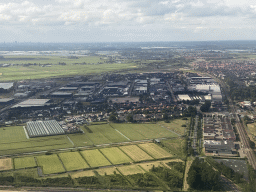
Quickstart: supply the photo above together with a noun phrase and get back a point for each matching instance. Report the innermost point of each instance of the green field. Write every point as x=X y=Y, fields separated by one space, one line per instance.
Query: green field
x=175 y=146
x=134 y=152
x=175 y=125
x=13 y=140
x=80 y=66
x=95 y=158
x=115 y=155
x=130 y=169
x=24 y=162
x=73 y=161
x=154 y=150
x=143 y=131
x=252 y=128
x=50 y=164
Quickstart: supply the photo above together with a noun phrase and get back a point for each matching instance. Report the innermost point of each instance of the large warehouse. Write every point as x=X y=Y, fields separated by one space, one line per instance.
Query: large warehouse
x=43 y=128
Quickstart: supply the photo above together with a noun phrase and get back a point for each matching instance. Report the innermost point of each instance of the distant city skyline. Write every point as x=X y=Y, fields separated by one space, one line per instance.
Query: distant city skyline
x=126 y=20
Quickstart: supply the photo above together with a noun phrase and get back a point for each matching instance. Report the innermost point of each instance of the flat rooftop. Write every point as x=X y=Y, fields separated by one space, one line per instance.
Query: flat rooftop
x=6 y=85
x=32 y=103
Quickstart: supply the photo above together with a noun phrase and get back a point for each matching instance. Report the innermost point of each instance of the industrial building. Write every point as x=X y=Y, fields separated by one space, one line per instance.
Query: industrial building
x=30 y=103
x=220 y=147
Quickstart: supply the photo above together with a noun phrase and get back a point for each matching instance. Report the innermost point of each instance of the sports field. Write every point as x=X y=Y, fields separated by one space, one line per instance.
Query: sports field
x=135 y=153
x=95 y=158
x=24 y=162
x=154 y=150
x=73 y=161
x=143 y=131
x=80 y=66
x=50 y=164
x=115 y=155
x=13 y=140
x=175 y=125
x=6 y=164
x=130 y=169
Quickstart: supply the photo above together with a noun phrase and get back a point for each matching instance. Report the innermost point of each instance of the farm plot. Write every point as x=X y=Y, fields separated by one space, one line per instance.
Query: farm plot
x=135 y=153
x=95 y=158
x=107 y=171
x=24 y=162
x=155 y=151
x=88 y=173
x=148 y=166
x=130 y=169
x=5 y=164
x=115 y=155
x=50 y=164
x=73 y=161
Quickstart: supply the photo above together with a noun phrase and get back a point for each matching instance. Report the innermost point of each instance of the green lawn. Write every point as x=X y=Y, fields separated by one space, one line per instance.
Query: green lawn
x=143 y=131
x=134 y=152
x=13 y=140
x=154 y=150
x=24 y=162
x=50 y=164
x=115 y=155
x=73 y=161
x=175 y=146
x=95 y=158
x=175 y=125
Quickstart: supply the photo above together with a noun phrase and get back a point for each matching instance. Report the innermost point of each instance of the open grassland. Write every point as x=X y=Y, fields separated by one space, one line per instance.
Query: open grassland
x=130 y=169
x=155 y=151
x=148 y=166
x=24 y=162
x=107 y=171
x=80 y=139
x=134 y=152
x=13 y=141
x=73 y=161
x=6 y=164
x=80 y=66
x=95 y=158
x=50 y=164
x=115 y=155
x=175 y=125
x=88 y=173
x=252 y=128
x=143 y=131
x=175 y=146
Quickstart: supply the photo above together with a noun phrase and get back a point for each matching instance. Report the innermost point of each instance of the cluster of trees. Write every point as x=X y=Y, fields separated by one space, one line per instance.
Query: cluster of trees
x=190 y=112
x=201 y=176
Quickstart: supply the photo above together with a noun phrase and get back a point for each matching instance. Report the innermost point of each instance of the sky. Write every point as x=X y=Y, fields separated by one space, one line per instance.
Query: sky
x=126 y=20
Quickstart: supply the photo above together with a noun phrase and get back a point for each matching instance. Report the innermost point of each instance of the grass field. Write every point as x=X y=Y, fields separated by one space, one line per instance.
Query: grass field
x=24 y=162
x=175 y=125
x=108 y=171
x=88 y=173
x=6 y=164
x=50 y=163
x=13 y=140
x=134 y=152
x=252 y=128
x=73 y=161
x=155 y=151
x=93 y=65
x=175 y=146
x=115 y=155
x=95 y=158
x=143 y=131
x=148 y=166
x=130 y=169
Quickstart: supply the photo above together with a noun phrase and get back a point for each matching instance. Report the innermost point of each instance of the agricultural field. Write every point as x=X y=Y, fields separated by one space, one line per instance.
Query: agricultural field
x=6 y=164
x=130 y=169
x=148 y=166
x=50 y=164
x=13 y=140
x=143 y=131
x=95 y=158
x=78 y=174
x=107 y=171
x=73 y=161
x=24 y=162
x=115 y=155
x=135 y=153
x=80 y=139
x=154 y=150
x=80 y=66
x=175 y=125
